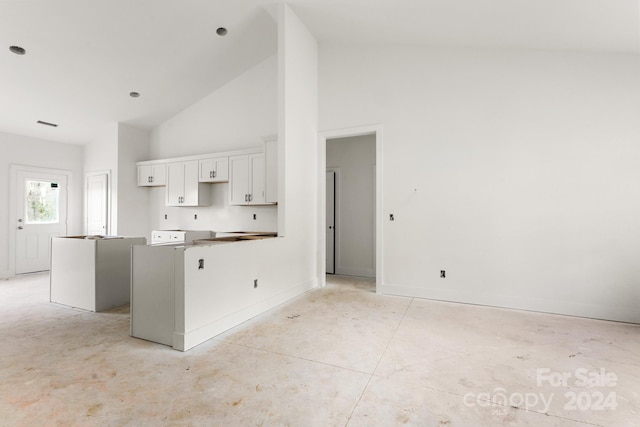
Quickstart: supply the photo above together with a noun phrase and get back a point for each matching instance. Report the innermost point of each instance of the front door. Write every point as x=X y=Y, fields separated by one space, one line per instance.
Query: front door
x=41 y=212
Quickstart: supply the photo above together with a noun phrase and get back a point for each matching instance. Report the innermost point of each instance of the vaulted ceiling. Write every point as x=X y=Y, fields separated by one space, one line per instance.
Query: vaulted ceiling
x=84 y=57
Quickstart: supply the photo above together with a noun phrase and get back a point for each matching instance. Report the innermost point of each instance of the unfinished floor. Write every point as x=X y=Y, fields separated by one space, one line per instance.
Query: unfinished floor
x=337 y=356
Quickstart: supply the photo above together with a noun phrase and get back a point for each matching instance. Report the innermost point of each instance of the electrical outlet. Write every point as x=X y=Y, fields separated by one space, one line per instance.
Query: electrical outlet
x=165 y=216
x=255 y=216
x=391 y=218
x=195 y=216
x=255 y=283
x=443 y=274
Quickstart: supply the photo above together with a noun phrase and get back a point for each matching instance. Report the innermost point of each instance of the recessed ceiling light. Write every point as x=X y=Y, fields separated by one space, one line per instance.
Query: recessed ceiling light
x=17 y=50
x=222 y=31
x=134 y=94
x=47 y=124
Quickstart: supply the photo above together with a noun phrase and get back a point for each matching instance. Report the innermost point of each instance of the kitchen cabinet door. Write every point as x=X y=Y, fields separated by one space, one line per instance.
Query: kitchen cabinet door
x=256 y=179
x=191 y=187
x=183 y=188
x=271 y=171
x=238 y=180
x=247 y=180
x=214 y=170
x=175 y=184
x=151 y=175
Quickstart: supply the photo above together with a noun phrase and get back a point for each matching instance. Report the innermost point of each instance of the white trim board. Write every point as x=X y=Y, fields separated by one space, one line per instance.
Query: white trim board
x=512 y=302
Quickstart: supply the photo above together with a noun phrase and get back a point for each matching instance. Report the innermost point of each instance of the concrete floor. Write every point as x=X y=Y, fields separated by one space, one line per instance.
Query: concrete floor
x=338 y=356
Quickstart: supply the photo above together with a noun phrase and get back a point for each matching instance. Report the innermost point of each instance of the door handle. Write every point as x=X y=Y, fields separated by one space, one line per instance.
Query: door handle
x=20 y=227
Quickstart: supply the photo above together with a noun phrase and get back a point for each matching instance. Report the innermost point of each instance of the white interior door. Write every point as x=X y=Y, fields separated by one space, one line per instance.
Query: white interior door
x=331 y=219
x=41 y=212
x=98 y=204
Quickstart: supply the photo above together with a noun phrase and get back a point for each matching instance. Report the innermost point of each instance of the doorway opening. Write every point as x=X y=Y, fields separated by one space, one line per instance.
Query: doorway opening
x=350 y=240
x=38 y=211
x=350 y=209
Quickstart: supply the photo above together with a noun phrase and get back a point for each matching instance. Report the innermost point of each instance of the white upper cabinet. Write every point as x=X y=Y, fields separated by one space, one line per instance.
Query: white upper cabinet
x=183 y=188
x=271 y=171
x=214 y=170
x=246 y=179
x=152 y=175
x=252 y=175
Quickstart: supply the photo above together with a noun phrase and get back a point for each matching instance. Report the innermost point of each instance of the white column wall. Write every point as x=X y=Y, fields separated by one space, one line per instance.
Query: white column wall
x=297 y=144
x=514 y=171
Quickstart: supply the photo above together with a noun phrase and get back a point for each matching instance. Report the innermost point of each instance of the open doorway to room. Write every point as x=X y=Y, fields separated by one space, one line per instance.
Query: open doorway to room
x=350 y=203
x=351 y=190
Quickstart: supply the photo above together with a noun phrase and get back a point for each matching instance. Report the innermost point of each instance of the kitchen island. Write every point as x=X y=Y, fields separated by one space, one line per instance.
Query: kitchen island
x=183 y=295
x=91 y=272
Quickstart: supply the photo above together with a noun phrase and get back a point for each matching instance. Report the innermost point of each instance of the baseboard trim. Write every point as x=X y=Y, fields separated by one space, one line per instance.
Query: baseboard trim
x=591 y=311
x=361 y=272
x=188 y=340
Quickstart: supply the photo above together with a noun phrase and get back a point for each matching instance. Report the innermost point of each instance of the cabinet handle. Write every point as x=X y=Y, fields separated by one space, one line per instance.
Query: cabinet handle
x=214 y=174
x=148 y=179
x=210 y=174
x=250 y=197
x=151 y=177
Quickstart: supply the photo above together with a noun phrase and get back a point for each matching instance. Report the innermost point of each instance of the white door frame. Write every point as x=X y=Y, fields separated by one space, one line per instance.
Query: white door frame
x=322 y=196
x=106 y=172
x=13 y=200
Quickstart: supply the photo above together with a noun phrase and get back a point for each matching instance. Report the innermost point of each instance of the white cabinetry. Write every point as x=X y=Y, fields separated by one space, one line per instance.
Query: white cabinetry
x=271 y=171
x=183 y=188
x=214 y=169
x=152 y=175
x=246 y=180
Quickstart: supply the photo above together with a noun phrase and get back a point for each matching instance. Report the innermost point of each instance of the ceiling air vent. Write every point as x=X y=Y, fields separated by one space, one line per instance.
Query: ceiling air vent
x=17 y=50
x=47 y=124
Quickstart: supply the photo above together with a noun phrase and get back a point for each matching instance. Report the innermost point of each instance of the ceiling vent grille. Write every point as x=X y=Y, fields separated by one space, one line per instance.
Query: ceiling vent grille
x=47 y=124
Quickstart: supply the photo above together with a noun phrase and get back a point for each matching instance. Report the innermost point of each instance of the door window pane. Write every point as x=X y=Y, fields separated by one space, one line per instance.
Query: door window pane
x=41 y=199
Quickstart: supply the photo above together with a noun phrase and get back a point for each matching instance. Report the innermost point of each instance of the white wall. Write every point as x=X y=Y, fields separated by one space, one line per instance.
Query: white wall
x=101 y=155
x=133 y=201
x=233 y=117
x=238 y=115
x=117 y=150
x=297 y=148
x=29 y=151
x=514 y=171
x=355 y=158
